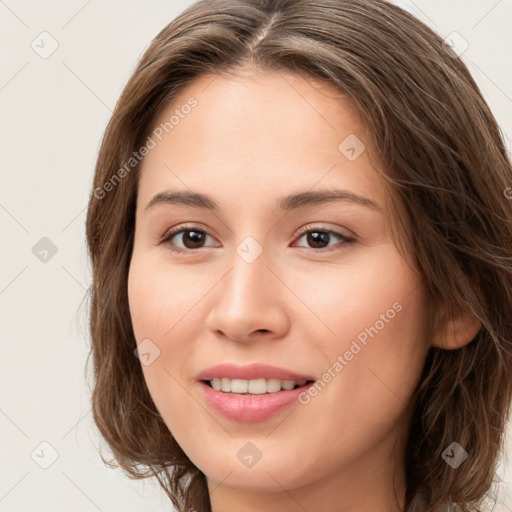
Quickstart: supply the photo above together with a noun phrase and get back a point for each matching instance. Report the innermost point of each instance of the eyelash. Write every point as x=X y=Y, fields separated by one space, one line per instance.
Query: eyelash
x=304 y=230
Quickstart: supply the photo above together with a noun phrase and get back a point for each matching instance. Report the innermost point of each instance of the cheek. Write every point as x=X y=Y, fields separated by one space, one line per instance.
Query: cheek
x=166 y=307
x=161 y=297
x=373 y=342
x=375 y=295
x=161 y=301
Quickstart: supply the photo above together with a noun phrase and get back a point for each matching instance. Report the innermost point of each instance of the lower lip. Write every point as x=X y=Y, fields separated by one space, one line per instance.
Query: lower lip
x=251 y=408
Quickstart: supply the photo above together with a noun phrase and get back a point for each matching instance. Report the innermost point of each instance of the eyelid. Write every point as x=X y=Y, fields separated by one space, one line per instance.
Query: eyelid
x=312 y=227
x=181 y=228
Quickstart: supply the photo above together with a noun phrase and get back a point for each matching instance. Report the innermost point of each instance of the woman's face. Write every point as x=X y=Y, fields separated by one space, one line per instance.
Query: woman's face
x=312 y=285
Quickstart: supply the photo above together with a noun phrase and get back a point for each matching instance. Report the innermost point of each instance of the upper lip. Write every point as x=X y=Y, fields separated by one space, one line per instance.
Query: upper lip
x=250 y=372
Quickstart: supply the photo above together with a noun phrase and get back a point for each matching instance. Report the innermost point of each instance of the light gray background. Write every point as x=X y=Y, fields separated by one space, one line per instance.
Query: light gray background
x=53 y=112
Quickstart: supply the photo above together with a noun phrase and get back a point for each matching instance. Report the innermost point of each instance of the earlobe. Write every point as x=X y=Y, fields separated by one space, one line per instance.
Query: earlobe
x=457 y=331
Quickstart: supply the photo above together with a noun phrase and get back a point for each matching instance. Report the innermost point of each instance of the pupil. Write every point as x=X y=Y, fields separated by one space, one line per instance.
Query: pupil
x=315 y=236
x=196 y=238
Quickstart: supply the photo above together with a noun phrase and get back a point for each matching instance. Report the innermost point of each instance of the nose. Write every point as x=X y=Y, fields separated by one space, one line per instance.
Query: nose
x=249 y=302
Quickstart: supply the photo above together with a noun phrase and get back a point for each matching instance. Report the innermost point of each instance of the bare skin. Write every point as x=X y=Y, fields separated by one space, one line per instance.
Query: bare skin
x=249 y=141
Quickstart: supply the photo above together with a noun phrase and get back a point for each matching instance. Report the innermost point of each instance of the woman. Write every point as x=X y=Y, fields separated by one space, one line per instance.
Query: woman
x=300 y=230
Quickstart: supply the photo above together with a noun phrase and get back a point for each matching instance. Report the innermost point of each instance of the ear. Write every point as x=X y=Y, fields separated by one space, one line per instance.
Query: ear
x=457 y=330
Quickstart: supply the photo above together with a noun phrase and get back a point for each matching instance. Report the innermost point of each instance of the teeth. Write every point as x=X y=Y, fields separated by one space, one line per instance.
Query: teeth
x=238 y=386
x=253 y=387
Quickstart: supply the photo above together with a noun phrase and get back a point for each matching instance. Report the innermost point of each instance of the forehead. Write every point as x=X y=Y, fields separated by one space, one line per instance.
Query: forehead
x=281 y=96
x=259 y=131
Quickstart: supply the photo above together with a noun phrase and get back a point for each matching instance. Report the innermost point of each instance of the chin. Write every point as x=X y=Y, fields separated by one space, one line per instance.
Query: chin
x=252 y=480
x=269 y=475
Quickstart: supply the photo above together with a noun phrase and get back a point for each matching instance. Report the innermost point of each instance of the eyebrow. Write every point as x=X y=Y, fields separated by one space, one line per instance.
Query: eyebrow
x=287 y=203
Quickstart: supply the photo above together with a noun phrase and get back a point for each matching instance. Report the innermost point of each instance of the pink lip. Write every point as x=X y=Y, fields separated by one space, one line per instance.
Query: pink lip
x=250 y=408
x=250 y=372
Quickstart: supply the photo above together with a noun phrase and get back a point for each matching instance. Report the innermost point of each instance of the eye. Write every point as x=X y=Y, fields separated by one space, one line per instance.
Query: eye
x=194 y=238
x=191 y=237
x=319 y=236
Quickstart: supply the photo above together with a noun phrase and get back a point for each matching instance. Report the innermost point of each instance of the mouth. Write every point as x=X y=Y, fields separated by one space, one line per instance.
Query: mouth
x=255 y=400
x=255 y=386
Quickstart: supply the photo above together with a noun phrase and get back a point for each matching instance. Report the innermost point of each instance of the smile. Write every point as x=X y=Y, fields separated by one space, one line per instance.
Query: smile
x=248 y=406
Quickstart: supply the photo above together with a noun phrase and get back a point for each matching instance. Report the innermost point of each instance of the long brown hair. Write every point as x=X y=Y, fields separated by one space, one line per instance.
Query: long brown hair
x=443 y=157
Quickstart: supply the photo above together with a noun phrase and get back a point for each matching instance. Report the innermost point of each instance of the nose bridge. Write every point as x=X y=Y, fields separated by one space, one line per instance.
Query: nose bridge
x=247 y=284
x=247 y=297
